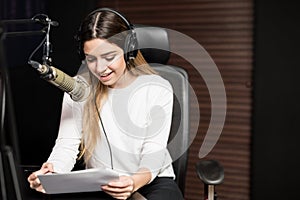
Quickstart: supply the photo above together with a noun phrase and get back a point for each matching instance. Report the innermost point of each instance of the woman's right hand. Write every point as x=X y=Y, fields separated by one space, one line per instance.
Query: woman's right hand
x=34 y=180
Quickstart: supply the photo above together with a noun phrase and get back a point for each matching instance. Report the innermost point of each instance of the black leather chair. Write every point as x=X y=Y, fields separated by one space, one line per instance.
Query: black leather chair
x=154 y=45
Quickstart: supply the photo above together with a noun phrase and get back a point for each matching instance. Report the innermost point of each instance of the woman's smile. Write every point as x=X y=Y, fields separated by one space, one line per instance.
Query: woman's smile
x=106 y=76
x=106 y=61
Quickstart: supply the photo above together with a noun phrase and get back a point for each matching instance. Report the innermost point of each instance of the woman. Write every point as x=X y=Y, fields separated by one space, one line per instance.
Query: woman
x=126 y=119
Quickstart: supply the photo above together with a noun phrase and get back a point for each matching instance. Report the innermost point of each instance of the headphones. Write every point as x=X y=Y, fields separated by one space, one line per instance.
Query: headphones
x=130 y=43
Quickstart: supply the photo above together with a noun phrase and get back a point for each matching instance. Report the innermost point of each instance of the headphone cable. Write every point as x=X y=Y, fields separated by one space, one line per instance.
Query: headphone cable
x=108 y=143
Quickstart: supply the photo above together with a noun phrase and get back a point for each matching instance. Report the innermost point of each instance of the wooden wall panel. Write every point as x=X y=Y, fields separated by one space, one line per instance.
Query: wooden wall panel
x=225 y=29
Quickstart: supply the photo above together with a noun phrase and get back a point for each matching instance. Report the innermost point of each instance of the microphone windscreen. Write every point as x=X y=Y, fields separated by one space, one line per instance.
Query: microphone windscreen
x=63 y=81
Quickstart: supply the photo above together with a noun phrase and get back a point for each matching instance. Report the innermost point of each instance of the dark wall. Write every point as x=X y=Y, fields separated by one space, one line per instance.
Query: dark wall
x=36 y=103
x=275 y=152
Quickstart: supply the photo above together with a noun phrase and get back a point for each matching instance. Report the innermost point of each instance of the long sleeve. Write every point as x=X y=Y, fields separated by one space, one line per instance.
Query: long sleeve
x=65 y=151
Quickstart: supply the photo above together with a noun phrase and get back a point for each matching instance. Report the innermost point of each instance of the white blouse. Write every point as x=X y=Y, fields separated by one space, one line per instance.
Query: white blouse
x=136 y=125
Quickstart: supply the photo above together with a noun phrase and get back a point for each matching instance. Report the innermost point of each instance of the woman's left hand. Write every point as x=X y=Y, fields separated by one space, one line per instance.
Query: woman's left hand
x=120 y=189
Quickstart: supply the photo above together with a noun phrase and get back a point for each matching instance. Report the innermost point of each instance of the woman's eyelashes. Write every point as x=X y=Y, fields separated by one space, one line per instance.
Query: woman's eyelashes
x=107 y=58
x=110 y=57
x=90 y=59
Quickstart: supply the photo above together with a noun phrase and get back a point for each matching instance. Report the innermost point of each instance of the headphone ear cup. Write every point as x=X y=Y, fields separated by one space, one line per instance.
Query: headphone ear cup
x=130 y=46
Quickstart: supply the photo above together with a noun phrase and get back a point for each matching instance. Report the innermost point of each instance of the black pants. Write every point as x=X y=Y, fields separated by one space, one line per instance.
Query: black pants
x=161 y=188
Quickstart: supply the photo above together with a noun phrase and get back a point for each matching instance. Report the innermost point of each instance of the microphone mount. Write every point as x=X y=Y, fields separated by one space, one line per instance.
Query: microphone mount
x=47 y=47
x=39 y=18
x=44 y=19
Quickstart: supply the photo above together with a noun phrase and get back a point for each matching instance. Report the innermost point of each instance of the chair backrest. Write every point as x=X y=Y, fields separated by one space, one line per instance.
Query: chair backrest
x=156 y=41
x=179 y=135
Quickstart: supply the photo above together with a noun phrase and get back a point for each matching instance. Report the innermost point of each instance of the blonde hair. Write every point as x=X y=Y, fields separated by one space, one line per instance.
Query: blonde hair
x=93 y=106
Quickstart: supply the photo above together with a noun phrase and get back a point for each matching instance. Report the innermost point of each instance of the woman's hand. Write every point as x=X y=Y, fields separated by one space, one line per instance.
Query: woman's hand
x=120 y=189
x=33 y=179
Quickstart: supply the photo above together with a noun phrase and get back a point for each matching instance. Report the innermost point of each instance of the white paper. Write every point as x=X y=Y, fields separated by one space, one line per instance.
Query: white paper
x=77 y=181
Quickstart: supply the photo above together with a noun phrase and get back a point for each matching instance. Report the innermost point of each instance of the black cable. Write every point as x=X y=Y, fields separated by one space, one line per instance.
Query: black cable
x=37 y=48
x=108 y=143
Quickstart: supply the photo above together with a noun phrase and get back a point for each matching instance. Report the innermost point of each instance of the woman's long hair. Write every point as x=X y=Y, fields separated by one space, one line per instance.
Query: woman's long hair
x=103 y=25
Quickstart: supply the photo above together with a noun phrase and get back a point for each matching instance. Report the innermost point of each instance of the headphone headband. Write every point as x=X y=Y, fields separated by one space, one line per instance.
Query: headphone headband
x=124 y=19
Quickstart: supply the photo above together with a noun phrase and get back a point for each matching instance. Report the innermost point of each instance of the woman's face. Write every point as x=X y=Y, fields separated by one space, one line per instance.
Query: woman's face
x=106 y=61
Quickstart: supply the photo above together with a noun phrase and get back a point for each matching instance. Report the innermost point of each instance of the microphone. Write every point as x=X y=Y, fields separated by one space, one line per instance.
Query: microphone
x=76 y=87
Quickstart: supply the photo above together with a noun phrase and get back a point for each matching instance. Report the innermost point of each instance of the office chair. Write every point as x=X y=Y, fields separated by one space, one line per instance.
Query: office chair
x=154 y=45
